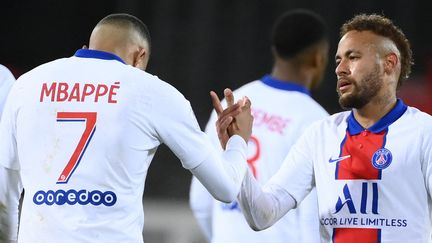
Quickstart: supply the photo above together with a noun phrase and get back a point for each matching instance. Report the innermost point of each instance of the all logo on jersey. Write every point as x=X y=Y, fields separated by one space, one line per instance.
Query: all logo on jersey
x=382 y=158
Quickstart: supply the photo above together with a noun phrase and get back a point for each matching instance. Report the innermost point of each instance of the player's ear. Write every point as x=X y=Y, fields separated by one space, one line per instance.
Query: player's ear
x=390 y=62
x=141 y=57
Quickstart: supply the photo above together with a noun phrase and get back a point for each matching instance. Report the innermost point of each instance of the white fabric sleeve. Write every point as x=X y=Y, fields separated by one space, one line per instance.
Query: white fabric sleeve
x=201 y=203
x=10 y=182
x=10 y=192
x=296 y=174
x=6 y=82
x=263 y=206
x=222 y=175
x=175 y=125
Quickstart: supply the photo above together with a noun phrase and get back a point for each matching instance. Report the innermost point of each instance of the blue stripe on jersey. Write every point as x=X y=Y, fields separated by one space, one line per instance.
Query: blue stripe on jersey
x=86 y=53
x=375 y=199
x=363 y=203
x=284 y=85
x=355 y=128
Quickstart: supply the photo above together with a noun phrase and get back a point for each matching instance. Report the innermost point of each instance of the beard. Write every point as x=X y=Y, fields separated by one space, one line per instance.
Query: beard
x=362 y=91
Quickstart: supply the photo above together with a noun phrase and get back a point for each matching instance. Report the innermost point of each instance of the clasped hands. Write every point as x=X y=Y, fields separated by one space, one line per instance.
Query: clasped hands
x=236 y=119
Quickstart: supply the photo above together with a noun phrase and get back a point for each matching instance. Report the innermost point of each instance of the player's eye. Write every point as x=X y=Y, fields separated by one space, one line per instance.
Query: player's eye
x=353 y=57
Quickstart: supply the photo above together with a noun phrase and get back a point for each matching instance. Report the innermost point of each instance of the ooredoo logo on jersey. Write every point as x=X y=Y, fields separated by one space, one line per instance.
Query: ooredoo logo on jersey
x=72 y=197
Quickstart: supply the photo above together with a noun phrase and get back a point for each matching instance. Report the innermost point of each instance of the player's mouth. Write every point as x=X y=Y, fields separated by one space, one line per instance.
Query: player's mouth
x=343 y=85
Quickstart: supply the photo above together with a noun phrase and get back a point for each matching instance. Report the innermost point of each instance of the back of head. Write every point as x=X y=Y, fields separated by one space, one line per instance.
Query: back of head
x=124 y=35
x=127 y=21
x=297 y=30
x=383 y=26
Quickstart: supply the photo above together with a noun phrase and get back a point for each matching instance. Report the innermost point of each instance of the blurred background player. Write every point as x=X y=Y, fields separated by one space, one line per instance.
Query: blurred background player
x=282 y=109
x=79 y=133
x=371 y=166
x=6 y=81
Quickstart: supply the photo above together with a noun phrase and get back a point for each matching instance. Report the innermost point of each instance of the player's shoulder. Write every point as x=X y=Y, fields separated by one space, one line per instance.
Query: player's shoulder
x=419 y=118
x=41 y=69
x=5 y=73
x=332 y=122
x=152 y=83
x=6 y=77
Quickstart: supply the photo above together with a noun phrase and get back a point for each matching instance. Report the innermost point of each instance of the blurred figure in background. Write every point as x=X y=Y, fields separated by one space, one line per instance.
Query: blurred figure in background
x=282 y=109
x=6 y=81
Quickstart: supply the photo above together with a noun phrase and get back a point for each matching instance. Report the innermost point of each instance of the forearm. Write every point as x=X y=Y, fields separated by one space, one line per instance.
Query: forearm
x=10 y=192
x=222 y=175
x=263 y=206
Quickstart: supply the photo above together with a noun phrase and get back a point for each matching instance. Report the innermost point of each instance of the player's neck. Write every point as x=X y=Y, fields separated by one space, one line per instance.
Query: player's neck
x=289 y=73
x=373 y=111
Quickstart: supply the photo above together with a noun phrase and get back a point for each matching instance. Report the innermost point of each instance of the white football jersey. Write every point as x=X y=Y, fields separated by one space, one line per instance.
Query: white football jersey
x=6 y=81
x=82 y=131
x=373 y=185
x=281 y=113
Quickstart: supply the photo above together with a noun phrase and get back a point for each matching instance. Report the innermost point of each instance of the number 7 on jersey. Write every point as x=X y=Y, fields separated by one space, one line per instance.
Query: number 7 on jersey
x=90 y=121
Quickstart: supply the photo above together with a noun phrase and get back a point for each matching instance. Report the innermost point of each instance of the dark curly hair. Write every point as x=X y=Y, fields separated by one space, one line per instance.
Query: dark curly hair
x=383 y=26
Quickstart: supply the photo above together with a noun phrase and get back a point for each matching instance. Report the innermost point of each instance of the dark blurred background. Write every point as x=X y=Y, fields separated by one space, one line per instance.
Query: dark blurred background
x=203 y=45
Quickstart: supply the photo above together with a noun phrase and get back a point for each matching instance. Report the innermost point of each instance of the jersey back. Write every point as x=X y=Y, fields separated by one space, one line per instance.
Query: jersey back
x=83 y=133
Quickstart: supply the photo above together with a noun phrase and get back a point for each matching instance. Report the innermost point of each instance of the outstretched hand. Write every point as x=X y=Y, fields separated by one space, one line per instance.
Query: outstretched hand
x=235 y=119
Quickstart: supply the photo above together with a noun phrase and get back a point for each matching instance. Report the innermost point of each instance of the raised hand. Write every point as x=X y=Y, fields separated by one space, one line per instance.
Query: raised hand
x=235 y=119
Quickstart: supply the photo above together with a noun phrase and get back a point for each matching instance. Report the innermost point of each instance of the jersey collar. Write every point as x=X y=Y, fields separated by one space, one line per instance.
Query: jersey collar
x=86 y=53
x=355 y=128
x=289 y=86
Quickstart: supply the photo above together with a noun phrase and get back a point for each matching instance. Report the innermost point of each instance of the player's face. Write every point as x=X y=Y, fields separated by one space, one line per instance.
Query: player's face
x=359 y=70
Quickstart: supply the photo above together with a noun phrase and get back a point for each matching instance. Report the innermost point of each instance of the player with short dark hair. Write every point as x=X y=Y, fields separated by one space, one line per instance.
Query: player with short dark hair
x=282 y=109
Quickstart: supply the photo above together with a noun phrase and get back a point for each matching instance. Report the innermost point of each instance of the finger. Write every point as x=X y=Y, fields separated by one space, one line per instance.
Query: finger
x=229 y=97
x=233 y=110
x=216 y=103
x=223 y=124
x=246 y=103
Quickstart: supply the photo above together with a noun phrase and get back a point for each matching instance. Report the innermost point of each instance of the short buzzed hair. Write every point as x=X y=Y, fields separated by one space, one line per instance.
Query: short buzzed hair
x=383 y=26
x=296 y=30
x=127 y=20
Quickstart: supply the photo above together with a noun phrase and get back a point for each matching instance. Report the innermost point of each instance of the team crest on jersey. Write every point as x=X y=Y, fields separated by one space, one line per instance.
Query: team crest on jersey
x=382 y=158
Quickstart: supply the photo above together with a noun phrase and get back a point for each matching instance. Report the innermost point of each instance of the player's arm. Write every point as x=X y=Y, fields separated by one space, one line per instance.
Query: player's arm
x=10 y=192
x=211 y=173
x=10 y=183
x=175 y=125
x=263 y=206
